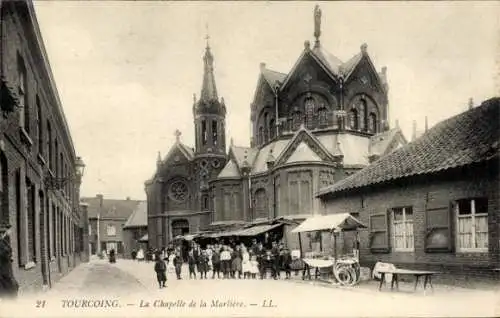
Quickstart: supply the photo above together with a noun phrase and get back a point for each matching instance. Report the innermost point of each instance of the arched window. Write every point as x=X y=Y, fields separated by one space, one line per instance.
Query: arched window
x=296 y=119
x=261 y=135
x=266 y=129
x=272 y=128
x=310 y=107
x=261 y=210
x=353 y=119
x=372 y=123
x=363 y=116
x=323 y=116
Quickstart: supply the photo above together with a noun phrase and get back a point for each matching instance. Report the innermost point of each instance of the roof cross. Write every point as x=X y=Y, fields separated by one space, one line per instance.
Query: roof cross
x=177 y=134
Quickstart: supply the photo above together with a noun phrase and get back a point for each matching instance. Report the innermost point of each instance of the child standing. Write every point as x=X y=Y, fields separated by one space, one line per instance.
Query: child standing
x=178 y=264
x=203 y=264
x=254 y=266
x=245 y=262
x=160 y=269
x=216 y=262
x=225 y=259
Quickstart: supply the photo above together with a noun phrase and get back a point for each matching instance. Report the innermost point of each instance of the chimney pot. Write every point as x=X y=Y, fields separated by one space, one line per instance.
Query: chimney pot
x=471 y=103
x=262 y=66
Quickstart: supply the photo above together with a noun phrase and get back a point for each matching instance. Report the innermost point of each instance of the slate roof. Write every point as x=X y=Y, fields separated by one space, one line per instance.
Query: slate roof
x=380 y=142
x=139 y=217
x=119 y=209
x=240 y=153
x=230 y=170
x=464 y=139
x=272 y=77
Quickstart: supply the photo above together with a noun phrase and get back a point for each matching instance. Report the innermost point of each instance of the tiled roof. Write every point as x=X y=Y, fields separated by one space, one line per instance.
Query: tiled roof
x=120 y=209
x=139 y=217
x=230 y=170
x=467 y=138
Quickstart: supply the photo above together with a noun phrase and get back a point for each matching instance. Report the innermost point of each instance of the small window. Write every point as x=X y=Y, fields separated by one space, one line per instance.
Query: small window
x=472 y=225
x=111 y=230
x=204 y=133
x=215 y=136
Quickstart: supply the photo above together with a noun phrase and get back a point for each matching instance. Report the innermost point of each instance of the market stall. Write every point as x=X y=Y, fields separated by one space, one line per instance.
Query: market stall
x=345 y=269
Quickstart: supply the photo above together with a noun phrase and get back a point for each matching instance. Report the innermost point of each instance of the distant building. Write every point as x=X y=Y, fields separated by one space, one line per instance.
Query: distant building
x=135 y=228
x=107 y=217
x=40 y=173
x=323 y=120
x=434 y=203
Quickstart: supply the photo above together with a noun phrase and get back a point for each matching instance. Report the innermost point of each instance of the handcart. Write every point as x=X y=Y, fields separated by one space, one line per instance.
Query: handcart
x=346 y=269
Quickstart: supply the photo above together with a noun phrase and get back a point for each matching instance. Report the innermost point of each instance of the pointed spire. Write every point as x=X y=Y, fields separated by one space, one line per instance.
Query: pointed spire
x=317 y=25
x=208 y=89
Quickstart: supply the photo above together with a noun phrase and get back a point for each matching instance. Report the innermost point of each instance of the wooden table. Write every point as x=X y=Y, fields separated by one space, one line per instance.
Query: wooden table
x=395 y=277
x=316 y=264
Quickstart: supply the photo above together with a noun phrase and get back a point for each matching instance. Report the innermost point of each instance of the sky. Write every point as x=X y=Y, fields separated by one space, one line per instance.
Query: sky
x=126 y=71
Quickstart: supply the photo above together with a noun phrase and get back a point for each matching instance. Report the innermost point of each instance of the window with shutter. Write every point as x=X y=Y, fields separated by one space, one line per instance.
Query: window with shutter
x=379 y=233
x=438 y=235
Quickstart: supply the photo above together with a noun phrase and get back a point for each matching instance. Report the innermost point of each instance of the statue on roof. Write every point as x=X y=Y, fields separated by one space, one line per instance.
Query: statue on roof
x=317 y=24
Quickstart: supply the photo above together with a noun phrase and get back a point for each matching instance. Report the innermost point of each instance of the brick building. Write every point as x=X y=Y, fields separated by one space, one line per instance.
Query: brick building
x=107 y=218
x=311 y=127
x=134 y=229
x=40 y=176
x=434 y=203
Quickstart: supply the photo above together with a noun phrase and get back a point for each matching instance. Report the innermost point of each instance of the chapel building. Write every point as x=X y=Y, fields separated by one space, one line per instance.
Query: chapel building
x=323 y=120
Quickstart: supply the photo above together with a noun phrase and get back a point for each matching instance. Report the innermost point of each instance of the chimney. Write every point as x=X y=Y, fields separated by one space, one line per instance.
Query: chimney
x=101 y=199
x=128 y=198
x=397 y=123
x=414 y=132
x=471 y=103
x=426 y=124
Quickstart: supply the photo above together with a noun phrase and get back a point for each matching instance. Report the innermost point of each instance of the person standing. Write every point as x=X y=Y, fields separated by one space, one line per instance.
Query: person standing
x=275 y=261
x=216 y=262
x=178 y=264
x=133 y=254
x=140 y=254
x=225 y=259
x=287 y=262
x=160 y=269
x=236 y=262
x=245 y=263
x=192 y=260
x=203 y=264
x=8 y=284
x=112 y=256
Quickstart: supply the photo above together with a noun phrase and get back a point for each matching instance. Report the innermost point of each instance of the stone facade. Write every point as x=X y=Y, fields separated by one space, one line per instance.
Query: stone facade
x=311 y=127
x=40 y=190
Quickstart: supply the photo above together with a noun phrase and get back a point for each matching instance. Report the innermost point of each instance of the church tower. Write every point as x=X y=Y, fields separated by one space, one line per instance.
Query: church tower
x=210 y=123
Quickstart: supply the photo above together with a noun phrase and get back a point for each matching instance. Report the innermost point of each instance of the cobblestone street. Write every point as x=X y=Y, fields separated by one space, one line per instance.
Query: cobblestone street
x=130 y=288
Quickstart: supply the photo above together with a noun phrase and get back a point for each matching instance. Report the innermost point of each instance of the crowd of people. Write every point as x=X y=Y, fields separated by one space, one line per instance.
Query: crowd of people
x=222 y=261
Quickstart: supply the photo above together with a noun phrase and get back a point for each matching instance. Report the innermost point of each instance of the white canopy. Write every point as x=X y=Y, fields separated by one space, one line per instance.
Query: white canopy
x=341 y=221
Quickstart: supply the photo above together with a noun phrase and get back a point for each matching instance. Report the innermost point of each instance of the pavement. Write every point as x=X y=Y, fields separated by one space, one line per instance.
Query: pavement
x=129 y=289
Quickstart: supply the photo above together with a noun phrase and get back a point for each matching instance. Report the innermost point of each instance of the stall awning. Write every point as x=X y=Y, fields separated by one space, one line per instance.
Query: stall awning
x=144 y=238
x=342 y=221
x=255 y=230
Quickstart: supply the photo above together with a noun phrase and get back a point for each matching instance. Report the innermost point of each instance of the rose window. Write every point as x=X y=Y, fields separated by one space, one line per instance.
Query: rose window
x=178 y=191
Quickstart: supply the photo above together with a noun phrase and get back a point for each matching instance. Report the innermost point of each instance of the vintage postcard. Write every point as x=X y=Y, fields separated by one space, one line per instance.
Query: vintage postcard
x=249 y=159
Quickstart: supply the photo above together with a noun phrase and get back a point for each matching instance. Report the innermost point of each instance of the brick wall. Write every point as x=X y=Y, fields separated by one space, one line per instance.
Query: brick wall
x=423 y=194
x=21 y=147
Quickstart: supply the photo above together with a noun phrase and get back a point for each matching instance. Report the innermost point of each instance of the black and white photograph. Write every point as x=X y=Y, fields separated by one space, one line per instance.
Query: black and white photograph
x=249 y=158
